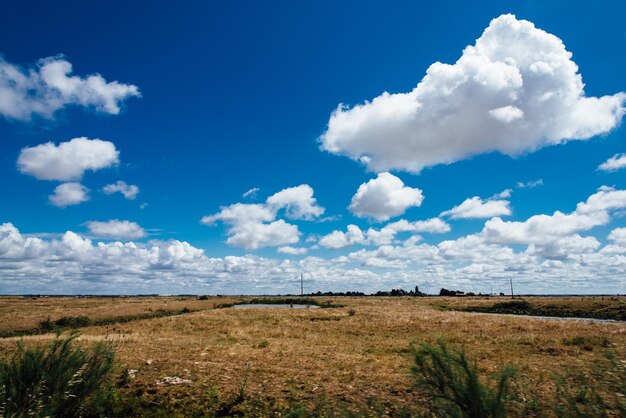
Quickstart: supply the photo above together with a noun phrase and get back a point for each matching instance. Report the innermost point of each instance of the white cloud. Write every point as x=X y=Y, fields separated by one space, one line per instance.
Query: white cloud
x=256 y=235
x=116 y=229
x=529 y=184
x=69 y=194
x=254 y=226
x=432 y=225
x=547 y=229
x=292 y=250
x=476 y=208
x=339 y=239
x=563 y=248
x=251 y=193
x=515 y=91
x=74 y=264
x=618 y=235
x=384 y=197
x=50 y=86
x=504 y=194
x=67 y=161
x=616 y=162
x=241 y=213
x=618 y=245
x=384 y=236
x=298 y=202
x=387 y=234
x=129 y=191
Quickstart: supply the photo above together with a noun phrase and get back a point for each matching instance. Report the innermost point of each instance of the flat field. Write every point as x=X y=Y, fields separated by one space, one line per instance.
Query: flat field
x=355 y=355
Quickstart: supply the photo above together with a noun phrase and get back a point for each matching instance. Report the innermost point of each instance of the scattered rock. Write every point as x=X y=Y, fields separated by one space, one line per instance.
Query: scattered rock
x=172 y=380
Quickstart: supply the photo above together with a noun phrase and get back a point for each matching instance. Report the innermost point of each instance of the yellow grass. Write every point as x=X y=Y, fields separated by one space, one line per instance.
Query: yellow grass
x=315 y=353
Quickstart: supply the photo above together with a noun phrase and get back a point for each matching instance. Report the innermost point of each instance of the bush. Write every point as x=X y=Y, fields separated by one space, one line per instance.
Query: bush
x=65 y=322
x=452 y=382
x=59 y=380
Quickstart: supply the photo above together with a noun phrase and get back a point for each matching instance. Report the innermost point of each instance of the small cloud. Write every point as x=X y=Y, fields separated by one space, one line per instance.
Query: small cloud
x=384 y=197
x=116 y=229
x=616 y=162
x=69 y=194
x=338 y=239
x=477 y=208
x=530 y=184
x=129 y=191
x=251 y=193
x=68 y=160
x=292 y=250
x=504 y=194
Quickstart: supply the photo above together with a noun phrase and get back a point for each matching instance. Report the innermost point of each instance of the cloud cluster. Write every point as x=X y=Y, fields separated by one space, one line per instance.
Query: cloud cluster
x=74 y=264
x=387 y=234
x=129 y=191
x=384 y=236
x=557 y=235
x=50 y=86
x=116 y=229
x=384 y=197
x=68 y=160
x=252 y=226
x=516 y=90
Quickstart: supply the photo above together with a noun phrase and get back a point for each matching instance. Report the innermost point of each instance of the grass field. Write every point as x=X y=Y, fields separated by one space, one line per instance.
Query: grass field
x=357 y=356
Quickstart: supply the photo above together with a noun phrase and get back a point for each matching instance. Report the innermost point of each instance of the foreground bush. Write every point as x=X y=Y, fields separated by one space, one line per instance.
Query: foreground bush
x=452 y=382
x=59 y=380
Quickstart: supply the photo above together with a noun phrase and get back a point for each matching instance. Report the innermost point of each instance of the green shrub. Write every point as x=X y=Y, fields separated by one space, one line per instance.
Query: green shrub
x=65 y=322
x=59 y=380
x=454 y=387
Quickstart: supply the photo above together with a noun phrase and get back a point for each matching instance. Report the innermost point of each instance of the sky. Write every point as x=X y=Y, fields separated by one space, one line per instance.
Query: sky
x=226 y=147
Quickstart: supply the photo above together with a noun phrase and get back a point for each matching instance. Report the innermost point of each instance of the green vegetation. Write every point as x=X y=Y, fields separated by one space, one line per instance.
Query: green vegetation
x=454 y=387
x=522 y=307
x=59 y=380
x=281 y=301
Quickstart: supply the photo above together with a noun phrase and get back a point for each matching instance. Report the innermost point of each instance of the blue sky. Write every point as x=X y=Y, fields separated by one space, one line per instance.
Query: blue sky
x=213 y=99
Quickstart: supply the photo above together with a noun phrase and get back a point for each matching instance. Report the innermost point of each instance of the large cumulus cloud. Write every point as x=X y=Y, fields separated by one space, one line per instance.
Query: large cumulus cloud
x=516 y=90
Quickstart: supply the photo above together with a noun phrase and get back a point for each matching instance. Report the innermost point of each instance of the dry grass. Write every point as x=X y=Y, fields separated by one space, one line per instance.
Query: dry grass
x=309 y=354
x=25 y=313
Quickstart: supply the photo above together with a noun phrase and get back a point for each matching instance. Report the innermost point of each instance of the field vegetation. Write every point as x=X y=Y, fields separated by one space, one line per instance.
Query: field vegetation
x=596 y=307
x=373 y=356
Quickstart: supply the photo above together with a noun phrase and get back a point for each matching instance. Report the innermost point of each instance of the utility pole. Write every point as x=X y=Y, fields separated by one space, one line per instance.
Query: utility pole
x=511 y=280
x=492 y=290
x=301 y=284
